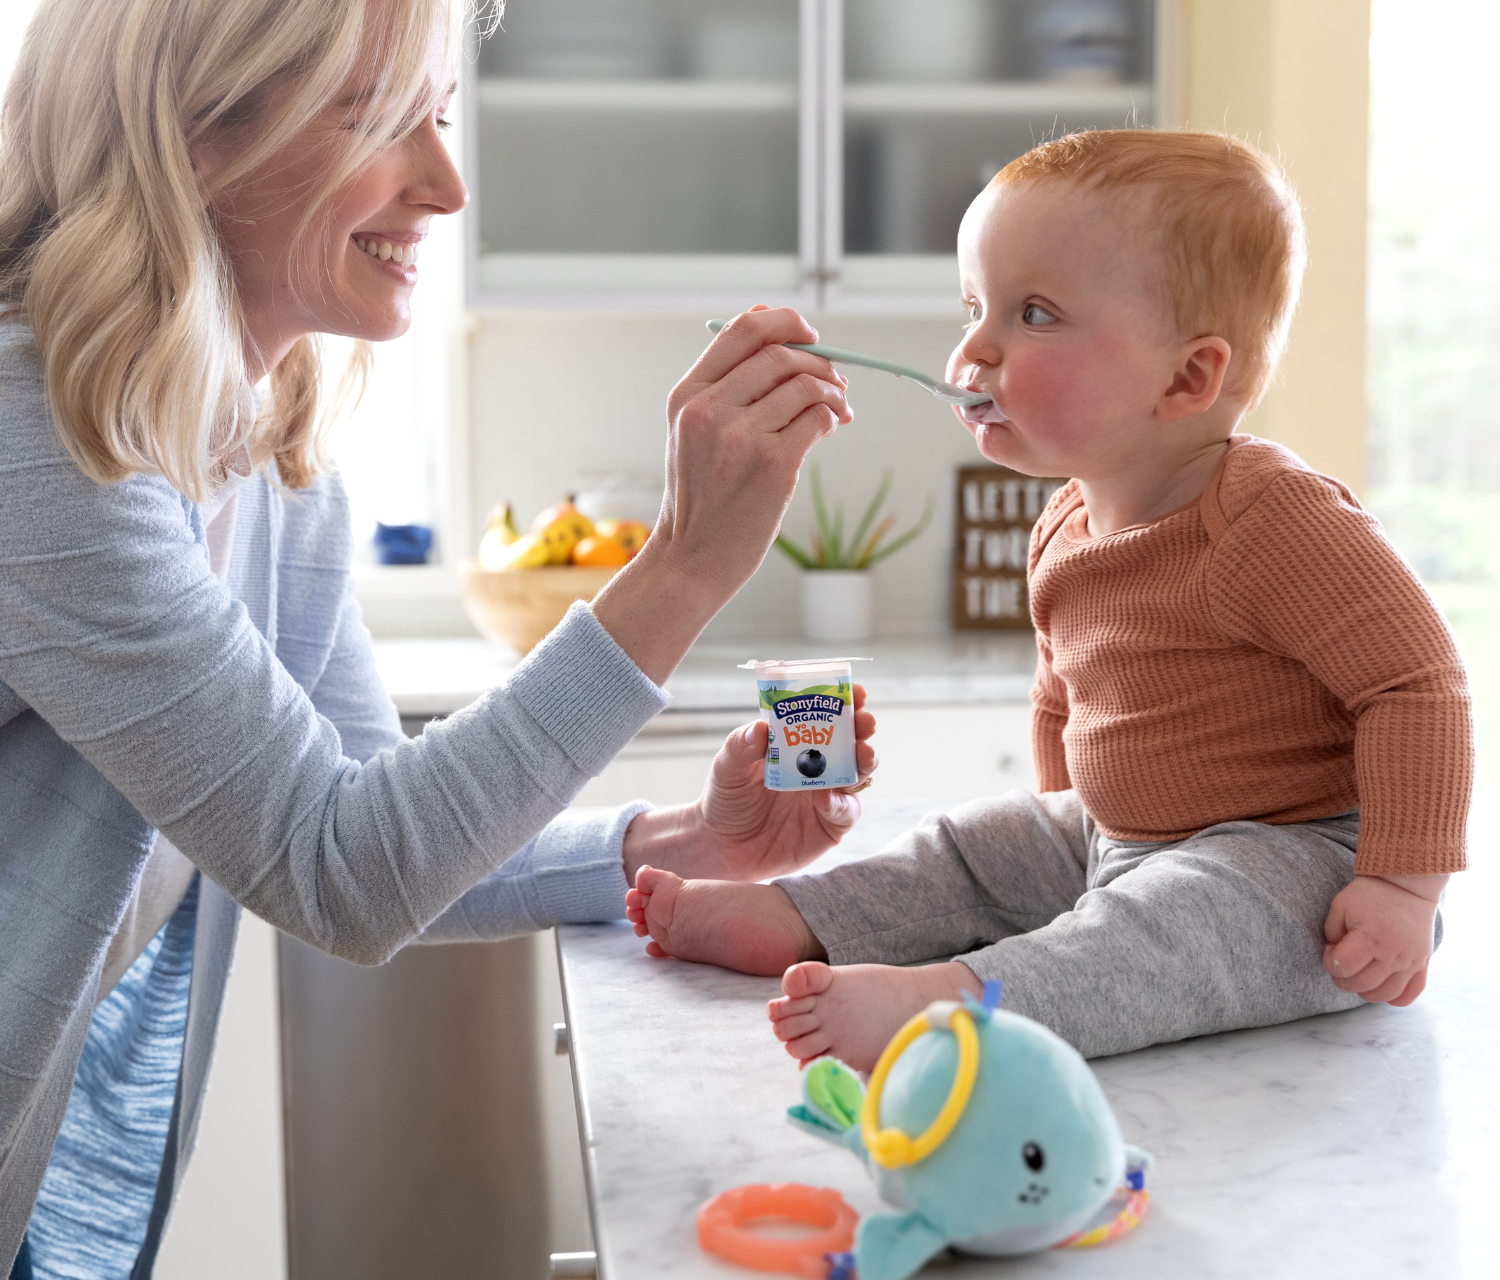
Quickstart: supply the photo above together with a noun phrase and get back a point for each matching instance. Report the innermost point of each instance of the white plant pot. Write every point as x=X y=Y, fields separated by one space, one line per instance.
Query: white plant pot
x=837 y=604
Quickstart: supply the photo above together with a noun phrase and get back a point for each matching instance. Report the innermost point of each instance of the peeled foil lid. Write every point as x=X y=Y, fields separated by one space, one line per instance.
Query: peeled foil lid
x=755 y=664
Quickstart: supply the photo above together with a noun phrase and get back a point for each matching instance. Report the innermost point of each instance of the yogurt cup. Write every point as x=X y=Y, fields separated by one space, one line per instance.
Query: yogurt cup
x=809 y=706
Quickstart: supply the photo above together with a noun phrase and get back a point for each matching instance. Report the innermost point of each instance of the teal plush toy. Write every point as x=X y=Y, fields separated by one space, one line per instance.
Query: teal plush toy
x=987 y=1131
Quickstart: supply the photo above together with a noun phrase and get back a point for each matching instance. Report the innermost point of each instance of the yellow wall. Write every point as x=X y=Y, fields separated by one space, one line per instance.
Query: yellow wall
x=1293 y=76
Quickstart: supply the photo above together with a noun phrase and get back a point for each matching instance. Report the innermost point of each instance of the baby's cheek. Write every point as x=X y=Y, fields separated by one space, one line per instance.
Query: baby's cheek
x=1044 y=386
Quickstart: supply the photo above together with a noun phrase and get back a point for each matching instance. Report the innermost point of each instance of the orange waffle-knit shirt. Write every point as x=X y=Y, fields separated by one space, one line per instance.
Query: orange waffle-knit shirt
x=1262 y=652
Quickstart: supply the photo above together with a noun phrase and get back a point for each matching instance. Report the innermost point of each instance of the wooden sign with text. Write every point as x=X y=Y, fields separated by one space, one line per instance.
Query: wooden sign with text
x=994 y=510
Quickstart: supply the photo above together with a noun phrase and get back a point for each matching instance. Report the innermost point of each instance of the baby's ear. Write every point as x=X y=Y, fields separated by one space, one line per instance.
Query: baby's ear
x=1197 y=379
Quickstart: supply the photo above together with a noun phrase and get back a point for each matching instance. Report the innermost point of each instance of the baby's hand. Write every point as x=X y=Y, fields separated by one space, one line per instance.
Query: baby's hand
x=1379 y=932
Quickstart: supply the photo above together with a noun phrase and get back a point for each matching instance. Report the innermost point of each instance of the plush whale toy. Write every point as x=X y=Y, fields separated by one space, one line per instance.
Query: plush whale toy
x=986 y=1130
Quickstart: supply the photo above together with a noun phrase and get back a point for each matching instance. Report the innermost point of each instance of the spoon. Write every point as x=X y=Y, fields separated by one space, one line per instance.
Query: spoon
x=944 y=391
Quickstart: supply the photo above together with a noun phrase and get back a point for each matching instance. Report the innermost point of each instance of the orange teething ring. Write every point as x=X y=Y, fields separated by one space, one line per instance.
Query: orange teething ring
x=721 y=1227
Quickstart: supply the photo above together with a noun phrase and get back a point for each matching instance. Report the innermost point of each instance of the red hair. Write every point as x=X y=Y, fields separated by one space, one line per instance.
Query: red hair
x=1228 y=223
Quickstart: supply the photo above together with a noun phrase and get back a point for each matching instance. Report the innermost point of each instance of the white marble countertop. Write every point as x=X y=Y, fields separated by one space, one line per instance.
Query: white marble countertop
x=1363 y=1145
x=438 y=676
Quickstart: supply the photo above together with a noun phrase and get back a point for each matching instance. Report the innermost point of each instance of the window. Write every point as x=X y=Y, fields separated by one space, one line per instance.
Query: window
x=1434 y=320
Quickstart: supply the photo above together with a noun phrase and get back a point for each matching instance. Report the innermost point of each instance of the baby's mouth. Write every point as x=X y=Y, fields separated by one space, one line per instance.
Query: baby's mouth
x=988 y=413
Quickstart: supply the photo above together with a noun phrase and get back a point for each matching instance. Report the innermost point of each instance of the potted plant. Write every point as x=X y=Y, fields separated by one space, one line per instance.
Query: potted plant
x=837 y=586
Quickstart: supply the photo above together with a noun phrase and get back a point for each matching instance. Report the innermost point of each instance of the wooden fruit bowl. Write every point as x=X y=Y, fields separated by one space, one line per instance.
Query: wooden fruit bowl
x=517 y=607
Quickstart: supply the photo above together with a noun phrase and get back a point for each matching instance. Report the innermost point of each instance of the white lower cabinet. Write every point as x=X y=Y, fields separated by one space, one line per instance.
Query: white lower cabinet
x=946 y=754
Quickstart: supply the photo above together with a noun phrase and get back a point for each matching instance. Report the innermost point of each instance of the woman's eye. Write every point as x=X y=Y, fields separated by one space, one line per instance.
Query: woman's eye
x=1037 y=315
x=444 y=124
x=1032 y=1154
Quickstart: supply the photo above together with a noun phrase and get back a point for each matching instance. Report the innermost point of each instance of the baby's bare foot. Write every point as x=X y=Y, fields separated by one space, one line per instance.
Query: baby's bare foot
x=753 y=928
x=852 y=1011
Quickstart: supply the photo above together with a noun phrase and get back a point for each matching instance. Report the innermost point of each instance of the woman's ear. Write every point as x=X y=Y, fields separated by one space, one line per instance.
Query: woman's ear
x=1197 y=379
x=207 y=156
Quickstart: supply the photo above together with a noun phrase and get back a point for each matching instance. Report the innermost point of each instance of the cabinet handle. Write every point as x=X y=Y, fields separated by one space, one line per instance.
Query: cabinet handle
x=574 y=1266
x=562 y=1044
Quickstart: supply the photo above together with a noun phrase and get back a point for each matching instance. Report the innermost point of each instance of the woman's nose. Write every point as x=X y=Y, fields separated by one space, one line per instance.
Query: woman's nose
x=436 y=182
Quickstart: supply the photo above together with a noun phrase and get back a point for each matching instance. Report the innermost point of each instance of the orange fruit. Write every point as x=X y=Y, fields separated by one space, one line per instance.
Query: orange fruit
x=600 y=553
x=630 y=534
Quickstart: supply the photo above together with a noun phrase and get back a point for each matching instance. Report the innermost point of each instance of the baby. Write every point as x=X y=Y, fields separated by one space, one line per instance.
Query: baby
x=1251 y=727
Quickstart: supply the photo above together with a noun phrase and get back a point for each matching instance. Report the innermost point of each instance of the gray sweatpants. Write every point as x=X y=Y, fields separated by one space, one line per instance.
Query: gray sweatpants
x=1113 y=945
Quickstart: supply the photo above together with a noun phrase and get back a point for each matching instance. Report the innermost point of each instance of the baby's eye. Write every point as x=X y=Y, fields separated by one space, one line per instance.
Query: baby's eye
x=1037 y=315
x=973 y=310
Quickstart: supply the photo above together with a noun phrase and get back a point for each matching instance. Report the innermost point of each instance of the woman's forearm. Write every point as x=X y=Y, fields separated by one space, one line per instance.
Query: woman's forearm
x=115 y=631
x=655 y=610
x=740 y=424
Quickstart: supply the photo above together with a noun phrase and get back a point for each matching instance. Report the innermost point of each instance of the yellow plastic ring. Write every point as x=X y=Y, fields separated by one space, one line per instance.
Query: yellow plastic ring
x=890 y=1148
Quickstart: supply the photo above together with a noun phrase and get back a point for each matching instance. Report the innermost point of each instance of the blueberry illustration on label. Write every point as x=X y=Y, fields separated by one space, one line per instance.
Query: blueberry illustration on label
x=811 y=763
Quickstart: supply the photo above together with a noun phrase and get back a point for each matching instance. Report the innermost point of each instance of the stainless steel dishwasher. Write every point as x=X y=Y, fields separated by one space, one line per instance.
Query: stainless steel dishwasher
x=415 y=1142
x=430 y=1130
x=414 y=1130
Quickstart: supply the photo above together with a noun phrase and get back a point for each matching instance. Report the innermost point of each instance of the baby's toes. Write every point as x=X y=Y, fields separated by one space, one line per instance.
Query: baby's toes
x=809 y=978
x=785 y=1006
x=814 y=1045
x=659 y=890
x=797 y=1026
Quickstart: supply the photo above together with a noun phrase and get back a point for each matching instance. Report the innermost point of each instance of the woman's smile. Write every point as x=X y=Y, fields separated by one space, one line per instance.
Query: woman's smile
x=394 y=257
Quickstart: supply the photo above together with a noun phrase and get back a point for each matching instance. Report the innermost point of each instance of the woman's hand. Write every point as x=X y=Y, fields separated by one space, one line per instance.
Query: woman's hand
x=738 y=830
x=740 y=425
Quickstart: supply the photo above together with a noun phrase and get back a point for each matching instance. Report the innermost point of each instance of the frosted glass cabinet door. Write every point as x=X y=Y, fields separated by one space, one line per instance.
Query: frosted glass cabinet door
x=939 y=96
x=682 y=154
x=637 y=147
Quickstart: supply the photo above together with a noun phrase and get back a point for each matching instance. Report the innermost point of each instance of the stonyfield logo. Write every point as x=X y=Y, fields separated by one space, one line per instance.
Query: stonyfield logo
x=807 y=703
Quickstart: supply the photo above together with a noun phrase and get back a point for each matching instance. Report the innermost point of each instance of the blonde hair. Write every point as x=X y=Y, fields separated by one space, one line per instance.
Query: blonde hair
x=107 y=242
x=1229 y=226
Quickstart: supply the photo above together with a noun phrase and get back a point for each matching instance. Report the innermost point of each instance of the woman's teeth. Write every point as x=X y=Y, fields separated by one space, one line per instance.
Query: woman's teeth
x=403 y=255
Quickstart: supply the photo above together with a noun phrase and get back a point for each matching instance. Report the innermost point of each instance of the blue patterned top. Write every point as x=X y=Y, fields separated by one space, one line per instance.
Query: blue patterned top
x=96 y=1199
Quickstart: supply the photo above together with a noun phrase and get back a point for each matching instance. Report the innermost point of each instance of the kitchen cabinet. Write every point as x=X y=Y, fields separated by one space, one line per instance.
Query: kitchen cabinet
x=706 y=154
x=939 y=754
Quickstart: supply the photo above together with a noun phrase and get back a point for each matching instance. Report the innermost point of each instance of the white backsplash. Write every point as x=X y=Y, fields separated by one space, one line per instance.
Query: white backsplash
x=560 y=398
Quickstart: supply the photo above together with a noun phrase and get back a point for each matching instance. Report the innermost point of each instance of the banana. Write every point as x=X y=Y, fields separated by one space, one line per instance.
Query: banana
x=499 y=533
x=529 y=551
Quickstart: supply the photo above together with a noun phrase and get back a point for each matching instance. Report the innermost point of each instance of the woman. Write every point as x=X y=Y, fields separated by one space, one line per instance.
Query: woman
x=190 y=192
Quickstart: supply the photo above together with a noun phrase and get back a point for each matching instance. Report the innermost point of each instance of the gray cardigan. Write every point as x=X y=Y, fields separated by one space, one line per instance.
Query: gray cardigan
x=248 y=724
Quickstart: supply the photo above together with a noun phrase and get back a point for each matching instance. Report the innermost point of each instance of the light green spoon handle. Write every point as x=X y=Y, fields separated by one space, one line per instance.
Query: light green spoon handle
x=947 y=391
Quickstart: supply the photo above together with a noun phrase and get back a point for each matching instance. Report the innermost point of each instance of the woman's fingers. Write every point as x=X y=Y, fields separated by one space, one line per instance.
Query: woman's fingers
x=746 y=334
x=771 y=368
x=774 y=409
